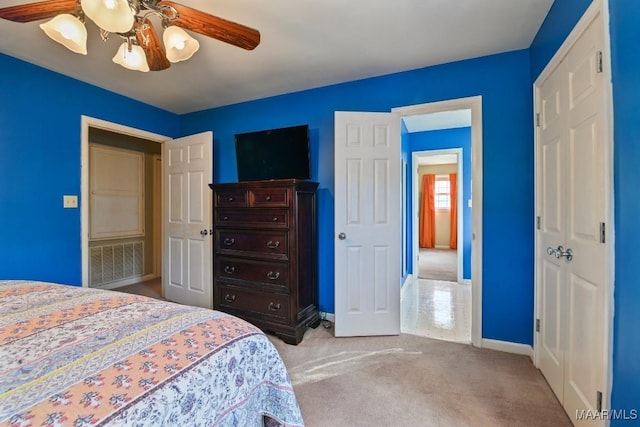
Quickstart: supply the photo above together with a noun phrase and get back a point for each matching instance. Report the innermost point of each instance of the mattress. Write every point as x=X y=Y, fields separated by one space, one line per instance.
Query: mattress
x=78 y=357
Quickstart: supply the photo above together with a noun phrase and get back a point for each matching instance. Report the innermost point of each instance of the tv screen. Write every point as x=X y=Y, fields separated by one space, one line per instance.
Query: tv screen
x=273 y=154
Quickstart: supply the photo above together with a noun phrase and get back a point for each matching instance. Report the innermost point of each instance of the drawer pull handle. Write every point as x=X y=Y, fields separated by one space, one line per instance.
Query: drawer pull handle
x=273 y=276
x=225 y=218
x=230 y=199
x=275 y=219
x=229 y=298
x=274 y=307
x=268 y=198
x=229 y=269
x=272 y=245
x=229 y=241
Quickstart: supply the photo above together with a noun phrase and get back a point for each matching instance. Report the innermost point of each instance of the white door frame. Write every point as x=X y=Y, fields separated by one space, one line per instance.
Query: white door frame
x=596 y=7
x=86 y=123
x=415 y=192
x=473 y=103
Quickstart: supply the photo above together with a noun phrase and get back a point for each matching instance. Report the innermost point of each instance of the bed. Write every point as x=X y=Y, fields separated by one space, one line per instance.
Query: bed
x=79 y=357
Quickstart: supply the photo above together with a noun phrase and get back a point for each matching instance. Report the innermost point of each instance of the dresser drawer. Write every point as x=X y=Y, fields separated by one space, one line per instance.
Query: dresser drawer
x=260 y=273
x=269 y=197
x=270 y=244
x=252 y=218
x=231 y=198
x=233 y=299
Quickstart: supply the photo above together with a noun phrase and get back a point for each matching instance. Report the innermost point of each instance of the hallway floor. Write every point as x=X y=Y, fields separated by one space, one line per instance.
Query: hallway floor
x=436 y=309
x=151 y=288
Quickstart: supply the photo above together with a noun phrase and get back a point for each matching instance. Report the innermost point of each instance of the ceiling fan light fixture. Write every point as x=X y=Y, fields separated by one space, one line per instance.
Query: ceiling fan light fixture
x=69 y=31
x=132 y=57
x=179 y=45
x=114 y=16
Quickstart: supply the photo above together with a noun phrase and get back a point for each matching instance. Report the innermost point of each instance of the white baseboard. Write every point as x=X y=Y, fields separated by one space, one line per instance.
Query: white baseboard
x=508 y=347
x=126 y=282
x=329 y=316
x=409 y=279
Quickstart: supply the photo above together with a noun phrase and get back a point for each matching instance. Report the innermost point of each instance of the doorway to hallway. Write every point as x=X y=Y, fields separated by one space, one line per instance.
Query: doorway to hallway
x=438 y=308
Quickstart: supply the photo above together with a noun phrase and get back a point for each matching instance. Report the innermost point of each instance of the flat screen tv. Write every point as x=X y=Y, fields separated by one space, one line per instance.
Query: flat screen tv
x=273 y=154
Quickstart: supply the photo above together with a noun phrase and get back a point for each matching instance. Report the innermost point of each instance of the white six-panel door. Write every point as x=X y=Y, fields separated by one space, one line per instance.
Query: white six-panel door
x=572 y=204
x=186 y=275
x=367 y=224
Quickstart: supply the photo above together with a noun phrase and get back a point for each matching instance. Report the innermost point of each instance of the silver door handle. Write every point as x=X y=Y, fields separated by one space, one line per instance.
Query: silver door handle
x=204 y=232
x=342 y=236
x=559 y=252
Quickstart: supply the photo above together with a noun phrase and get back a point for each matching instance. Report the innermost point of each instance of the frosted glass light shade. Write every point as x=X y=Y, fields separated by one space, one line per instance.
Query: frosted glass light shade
x=133 y=60
x=179 y=45
x=115 y=16
x=69 y=31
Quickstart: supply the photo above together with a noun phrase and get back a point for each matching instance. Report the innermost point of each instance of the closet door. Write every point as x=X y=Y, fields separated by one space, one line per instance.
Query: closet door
x=572 y=251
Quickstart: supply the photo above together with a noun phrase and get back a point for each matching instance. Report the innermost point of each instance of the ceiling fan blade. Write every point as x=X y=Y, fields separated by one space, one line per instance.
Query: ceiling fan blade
x=214 y=27
x=37 y=11
x=150 y=42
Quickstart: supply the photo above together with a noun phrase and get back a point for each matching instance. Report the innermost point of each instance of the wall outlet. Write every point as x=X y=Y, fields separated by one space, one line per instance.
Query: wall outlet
x=70 y=201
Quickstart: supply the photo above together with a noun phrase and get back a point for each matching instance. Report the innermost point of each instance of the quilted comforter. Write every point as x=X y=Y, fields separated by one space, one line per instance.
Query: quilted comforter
x=83 y=357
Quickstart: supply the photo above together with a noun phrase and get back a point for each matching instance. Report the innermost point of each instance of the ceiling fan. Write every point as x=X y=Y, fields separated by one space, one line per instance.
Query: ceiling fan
x=130 y=19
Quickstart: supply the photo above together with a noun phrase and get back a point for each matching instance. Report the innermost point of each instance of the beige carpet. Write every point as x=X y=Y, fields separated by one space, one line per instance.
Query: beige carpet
x=438 y=264
x=412 y=381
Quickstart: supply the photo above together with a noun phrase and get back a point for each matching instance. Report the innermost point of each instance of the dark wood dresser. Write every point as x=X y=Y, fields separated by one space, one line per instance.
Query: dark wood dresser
x=265 y=254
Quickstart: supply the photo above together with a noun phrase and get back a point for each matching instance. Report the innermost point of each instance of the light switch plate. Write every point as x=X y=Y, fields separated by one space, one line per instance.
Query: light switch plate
x=70 y=201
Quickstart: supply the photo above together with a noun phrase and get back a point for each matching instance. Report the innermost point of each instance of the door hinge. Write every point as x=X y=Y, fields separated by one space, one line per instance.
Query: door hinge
x=599 y=62
x=602 y=233
x=537 y=325
x=538 y=222
x=537 y=119
x=599 y=401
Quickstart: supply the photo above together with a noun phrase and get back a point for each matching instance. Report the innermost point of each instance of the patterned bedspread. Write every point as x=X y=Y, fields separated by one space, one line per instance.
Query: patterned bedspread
x=82 y=357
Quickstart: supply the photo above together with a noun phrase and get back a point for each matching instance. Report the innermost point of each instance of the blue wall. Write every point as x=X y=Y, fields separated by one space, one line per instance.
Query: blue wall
x=40 y=162
x=443 y=139
x=405 y=155
x=504 y=83
x=562 y=17
x=625 y=59
x=625 y=35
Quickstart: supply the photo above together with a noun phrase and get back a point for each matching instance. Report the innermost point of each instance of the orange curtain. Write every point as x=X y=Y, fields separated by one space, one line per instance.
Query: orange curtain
x=427 y=212
x=453 y=190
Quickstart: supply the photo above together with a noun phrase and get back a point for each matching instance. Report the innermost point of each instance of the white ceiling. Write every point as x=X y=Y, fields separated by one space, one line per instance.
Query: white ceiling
x=437 y=159
x=305 y=44
x=439 y=120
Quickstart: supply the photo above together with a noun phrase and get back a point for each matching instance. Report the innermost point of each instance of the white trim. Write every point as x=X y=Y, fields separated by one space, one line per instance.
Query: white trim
x=597 y=7
x=87 y=122
x=474 y=103
x=127 y=282
x=589 y=15
x=403 y=288
x=331 y=317
x=157 y=214
x=508 y=347
x=609 y=170
x=407 y=280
